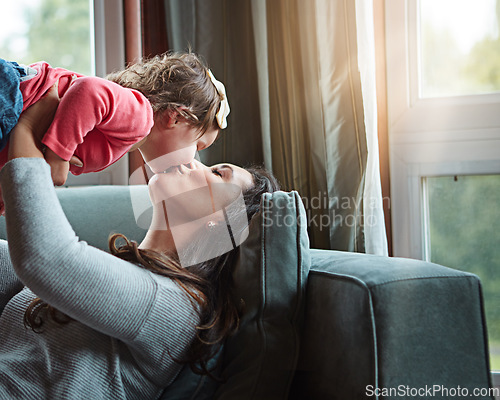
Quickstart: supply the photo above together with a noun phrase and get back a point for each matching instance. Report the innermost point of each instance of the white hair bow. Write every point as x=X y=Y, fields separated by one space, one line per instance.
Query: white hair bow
x=224 y=105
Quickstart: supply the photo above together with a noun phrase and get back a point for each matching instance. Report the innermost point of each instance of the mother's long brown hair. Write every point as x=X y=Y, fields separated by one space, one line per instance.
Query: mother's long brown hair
x=209 y=284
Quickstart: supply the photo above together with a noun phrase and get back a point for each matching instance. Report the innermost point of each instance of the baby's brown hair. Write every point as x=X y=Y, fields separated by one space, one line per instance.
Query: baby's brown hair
x=175 y=81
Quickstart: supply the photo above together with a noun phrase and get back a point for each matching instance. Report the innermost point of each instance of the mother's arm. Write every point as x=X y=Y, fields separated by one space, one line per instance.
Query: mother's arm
x=27 y=143
x=26 y=137
x=106 y=293
x=29 y=133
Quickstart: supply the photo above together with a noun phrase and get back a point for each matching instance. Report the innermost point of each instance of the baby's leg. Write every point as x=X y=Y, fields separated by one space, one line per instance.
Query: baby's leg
x=10 y=285
x=11 y=99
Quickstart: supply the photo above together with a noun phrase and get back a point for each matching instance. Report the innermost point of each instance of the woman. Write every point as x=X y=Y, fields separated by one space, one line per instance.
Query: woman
x=104 y=325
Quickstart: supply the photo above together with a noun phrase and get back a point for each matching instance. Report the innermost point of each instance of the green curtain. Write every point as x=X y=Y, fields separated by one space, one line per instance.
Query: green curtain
x=291 y=72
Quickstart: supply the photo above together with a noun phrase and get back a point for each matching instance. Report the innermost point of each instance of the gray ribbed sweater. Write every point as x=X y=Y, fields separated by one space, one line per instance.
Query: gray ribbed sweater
x=127 y=319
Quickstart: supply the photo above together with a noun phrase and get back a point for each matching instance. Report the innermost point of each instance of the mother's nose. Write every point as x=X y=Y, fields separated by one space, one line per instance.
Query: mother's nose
x=195 y=164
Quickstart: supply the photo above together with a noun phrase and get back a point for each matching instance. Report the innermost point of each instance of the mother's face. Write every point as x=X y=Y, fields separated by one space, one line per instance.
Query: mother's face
x=193 y=191
x=202 y=207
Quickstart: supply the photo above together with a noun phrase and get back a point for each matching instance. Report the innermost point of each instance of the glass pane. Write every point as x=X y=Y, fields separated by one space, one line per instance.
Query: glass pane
x=459 y=47
x=464 y=219
x=56 y=31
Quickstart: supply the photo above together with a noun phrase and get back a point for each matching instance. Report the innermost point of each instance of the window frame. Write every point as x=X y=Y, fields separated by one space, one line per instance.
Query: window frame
x=421 y=141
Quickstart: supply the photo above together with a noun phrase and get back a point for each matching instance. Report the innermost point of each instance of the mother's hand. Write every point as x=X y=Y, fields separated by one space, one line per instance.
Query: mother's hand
x=26 y=137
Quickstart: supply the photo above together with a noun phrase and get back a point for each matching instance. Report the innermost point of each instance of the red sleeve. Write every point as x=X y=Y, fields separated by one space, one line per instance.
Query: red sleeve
x=124 y=116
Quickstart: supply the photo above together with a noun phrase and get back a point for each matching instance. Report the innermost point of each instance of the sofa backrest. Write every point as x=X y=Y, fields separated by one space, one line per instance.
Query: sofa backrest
x=95 y=212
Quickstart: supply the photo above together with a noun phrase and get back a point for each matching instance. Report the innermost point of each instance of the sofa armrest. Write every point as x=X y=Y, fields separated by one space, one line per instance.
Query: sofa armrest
x=388 y=323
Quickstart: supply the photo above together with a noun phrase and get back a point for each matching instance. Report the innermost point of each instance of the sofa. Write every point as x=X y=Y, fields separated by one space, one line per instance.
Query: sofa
x=319 y=324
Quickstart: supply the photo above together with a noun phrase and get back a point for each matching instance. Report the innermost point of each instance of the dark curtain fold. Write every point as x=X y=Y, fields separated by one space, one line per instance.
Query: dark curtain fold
x=221 y=32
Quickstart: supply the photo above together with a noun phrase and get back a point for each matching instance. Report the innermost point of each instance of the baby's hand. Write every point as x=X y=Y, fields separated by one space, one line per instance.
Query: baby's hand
x=59 y=168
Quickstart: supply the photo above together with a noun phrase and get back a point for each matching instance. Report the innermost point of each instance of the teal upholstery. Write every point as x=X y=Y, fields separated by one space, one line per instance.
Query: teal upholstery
x=97 y=211
x=353 y=322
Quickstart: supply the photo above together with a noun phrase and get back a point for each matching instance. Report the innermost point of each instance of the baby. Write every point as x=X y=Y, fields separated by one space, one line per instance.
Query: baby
x=167 y=107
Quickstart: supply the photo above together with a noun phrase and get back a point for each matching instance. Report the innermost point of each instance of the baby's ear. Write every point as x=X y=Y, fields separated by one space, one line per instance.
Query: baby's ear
x=166 y=119
x=170 y=118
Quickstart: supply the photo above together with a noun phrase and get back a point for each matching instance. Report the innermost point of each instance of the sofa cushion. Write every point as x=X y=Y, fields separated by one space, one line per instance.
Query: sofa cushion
x=270 y=277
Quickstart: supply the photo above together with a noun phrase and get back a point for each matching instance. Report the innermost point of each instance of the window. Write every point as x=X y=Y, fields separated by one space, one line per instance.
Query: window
x=55 y=31
x=462 y=232
x=443 y=101
x=85 y=36
x=457 y=57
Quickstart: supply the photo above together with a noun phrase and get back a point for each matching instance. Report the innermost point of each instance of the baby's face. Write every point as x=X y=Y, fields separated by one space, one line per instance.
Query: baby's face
x=174 y=145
